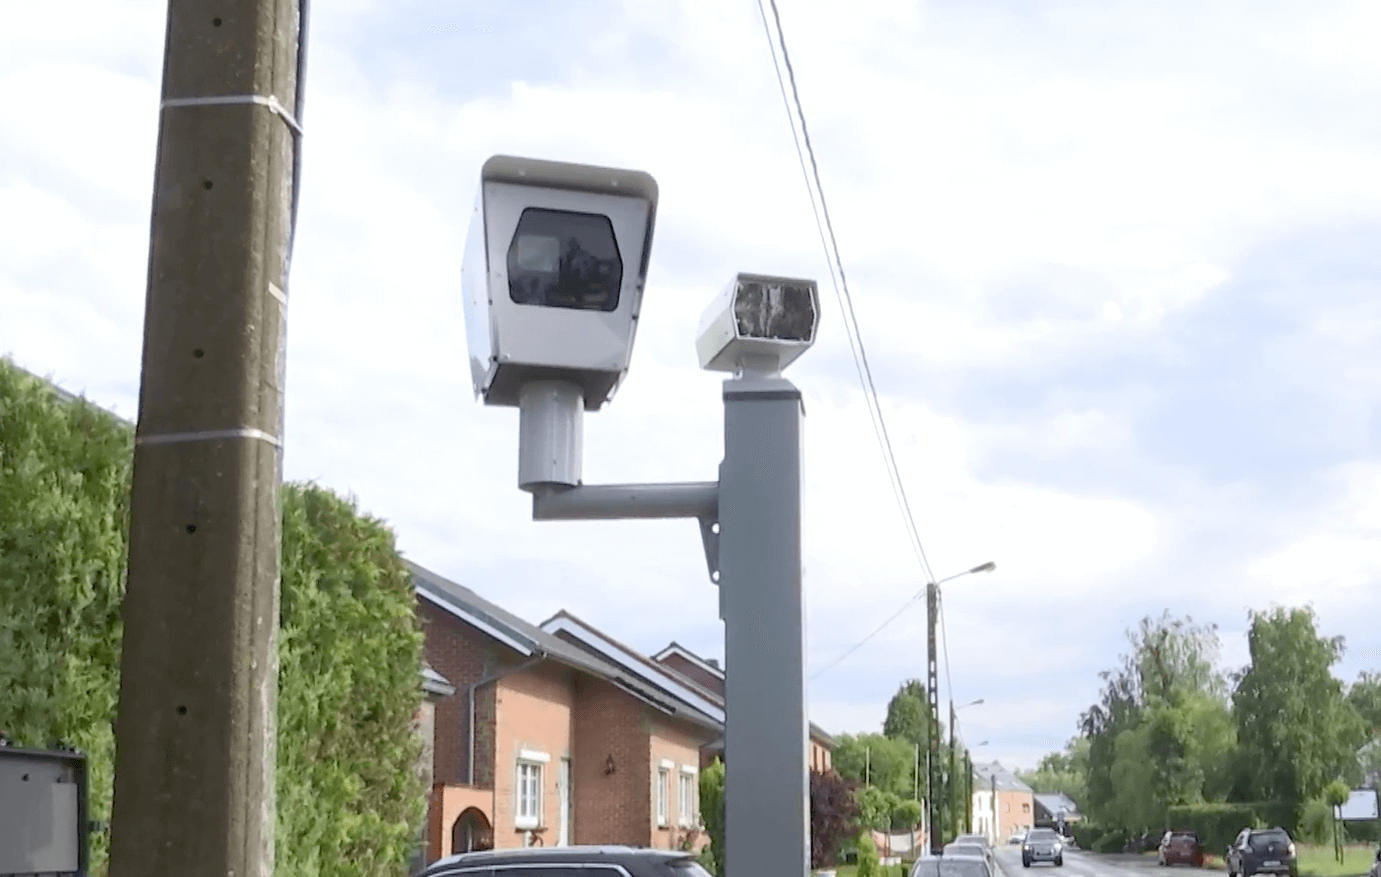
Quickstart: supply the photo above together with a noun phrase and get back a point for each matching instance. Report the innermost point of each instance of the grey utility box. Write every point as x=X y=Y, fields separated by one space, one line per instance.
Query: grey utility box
x=43 y=816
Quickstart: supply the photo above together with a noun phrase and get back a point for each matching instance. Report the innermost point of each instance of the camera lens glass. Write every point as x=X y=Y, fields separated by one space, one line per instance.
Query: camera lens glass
x=560 y=259
x=784 y=312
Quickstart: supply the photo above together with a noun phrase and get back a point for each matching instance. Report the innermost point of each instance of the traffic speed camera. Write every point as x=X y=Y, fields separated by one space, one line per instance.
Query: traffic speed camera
x=553 y=276
x=759 y=323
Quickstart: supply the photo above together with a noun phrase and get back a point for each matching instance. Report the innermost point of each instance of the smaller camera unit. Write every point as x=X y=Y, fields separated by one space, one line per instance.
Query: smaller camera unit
x=555 y=265
x=759 y=323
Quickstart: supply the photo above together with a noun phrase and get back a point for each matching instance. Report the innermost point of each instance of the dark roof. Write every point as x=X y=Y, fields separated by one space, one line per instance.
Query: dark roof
x=1055 y=802
x=1006 y=780
x=530 y=640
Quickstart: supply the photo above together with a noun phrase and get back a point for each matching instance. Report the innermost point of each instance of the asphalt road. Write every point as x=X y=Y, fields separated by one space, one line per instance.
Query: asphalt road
x=1082 y=864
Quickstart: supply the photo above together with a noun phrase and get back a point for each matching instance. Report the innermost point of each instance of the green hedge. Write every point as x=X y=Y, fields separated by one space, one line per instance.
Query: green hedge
x=350 y=801
x=1112 y=841
x=1086 y=834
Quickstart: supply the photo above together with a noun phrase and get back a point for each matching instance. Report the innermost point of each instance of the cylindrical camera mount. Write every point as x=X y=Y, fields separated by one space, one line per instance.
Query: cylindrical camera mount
x=550 y=435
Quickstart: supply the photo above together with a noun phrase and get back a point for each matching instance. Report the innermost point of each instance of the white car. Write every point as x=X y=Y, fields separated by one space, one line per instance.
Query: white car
x=1017 y=837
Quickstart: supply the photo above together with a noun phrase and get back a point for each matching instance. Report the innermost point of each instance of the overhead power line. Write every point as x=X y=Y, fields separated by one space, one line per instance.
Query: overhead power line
x=810 y=168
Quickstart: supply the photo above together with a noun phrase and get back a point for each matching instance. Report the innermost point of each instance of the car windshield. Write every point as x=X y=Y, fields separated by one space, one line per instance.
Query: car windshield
x=1262 y=839
x=1041 y=834
x=950 y=868
x=958 y=849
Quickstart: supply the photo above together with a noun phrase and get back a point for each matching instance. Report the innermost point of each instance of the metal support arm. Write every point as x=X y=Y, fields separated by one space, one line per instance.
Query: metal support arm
x=610 y=502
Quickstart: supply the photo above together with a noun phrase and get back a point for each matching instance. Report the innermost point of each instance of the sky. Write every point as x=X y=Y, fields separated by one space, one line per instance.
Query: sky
x=1115 y=267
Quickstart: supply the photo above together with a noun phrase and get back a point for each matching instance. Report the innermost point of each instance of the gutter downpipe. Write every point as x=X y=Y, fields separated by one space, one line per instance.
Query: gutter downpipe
x=470 y=705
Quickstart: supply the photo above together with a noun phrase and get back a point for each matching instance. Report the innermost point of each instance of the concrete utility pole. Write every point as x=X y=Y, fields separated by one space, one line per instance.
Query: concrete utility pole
x=195 y=735
x=953 y=771
x=932 y=599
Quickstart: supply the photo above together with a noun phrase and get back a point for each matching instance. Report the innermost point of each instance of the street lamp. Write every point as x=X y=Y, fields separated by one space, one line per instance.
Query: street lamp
x=554 y=271
x=932 y=601
x=954 y=767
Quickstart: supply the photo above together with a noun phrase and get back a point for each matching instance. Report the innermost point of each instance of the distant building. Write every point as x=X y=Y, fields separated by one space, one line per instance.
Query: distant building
x=1002 y=804
x=1056 y=809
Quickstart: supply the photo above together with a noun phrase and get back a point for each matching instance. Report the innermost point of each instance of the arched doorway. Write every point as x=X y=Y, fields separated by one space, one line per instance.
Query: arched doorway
x=471 y=832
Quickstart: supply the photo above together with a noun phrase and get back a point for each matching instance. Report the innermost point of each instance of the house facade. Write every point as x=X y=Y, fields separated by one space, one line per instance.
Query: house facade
x=544 y=743
x=1002 y=804
x=707 y=675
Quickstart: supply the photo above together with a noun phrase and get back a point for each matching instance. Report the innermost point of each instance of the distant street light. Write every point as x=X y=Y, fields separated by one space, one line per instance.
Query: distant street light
x=932 y=605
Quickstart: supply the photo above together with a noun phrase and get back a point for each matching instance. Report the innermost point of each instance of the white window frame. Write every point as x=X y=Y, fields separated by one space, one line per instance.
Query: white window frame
x=527 y=763
x=687 y=804
x=663 y=797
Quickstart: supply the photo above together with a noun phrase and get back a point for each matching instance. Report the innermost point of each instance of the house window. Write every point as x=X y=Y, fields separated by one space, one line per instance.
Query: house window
x=1006 y=808
x=663 y=792
x=529 y=811
x=1025 y=808
x=686 y=799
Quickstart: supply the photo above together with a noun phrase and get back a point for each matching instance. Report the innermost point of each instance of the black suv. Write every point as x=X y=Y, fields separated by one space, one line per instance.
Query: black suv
x=1262 y=851
x=578 y=861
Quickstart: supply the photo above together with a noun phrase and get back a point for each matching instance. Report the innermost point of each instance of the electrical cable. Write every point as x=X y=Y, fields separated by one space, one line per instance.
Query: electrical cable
x=299 y=102
x=825 y=226
x=858 y=645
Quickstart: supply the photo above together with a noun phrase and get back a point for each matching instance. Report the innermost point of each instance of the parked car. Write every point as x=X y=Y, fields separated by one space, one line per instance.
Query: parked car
x=1042 y=845
x=1017 y=837
x=576 y=861
x=952 y=868
x=957 y=850
x=1180 y=847
x=1262 y=851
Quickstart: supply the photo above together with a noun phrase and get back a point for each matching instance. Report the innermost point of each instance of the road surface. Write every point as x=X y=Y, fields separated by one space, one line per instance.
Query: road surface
x=1081 y=864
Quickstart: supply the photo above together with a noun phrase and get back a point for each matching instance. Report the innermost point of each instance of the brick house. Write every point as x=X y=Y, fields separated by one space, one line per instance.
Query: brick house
x=708 y=677
x=1002 y=804
x=544 y=743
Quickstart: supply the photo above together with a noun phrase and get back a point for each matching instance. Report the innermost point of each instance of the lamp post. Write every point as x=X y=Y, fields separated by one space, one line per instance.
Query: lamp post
x=932 y=605
x=954 y=759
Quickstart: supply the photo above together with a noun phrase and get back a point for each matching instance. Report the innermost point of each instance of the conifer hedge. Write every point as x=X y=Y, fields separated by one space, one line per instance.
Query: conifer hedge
x=350 y=800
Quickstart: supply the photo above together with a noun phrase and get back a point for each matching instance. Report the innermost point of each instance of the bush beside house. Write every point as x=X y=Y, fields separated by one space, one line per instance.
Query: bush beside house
x=349 y=799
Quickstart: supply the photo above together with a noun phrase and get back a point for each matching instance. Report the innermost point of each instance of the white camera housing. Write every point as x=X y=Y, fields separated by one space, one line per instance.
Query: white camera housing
x=759 y=323
x=553 y=276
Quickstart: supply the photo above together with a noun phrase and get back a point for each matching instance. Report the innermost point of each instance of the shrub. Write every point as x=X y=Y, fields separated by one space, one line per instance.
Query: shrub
x=833 y=816
x=1086 y=834
x=1316 y=825
x=712 y=811
x=350 y=801
x=869 y=863
x=1111 y=842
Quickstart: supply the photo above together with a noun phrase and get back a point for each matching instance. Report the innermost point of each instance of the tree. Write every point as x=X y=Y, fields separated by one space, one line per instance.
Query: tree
x=1293 y=722
x=908 y=714
x=876 y=760
x=834 y=814
x=712 y=810
x=875 y=808
x=1365 y=697
x=1064 y=772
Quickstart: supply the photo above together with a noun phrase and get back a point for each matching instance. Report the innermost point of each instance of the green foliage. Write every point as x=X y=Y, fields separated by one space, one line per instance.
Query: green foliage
x=1065 y=772
x=712 y=811
x=869 y=862
x=64 y=508
x=907 y=714
x=1336 y=793
x=1112 y=841
x=707 y=860
x=1215 y=824
x=1316 y=824
x=1365 y=697
x=1086 y=834
x=877 y=760
x=350 y=798
x=1293 y=721
x=875 y=808
x=907 y=813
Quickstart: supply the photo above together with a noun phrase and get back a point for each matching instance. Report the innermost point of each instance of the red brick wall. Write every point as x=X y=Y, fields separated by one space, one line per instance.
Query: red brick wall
x=674 y=746
x=610 y=808
x=534 y=715
x=463 y=655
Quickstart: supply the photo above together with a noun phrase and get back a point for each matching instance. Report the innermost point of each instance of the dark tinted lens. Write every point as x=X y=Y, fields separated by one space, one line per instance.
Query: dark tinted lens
x=559 y=259
x=783 y=312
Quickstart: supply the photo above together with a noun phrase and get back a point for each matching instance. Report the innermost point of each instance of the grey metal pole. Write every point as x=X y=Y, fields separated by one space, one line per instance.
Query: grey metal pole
x=196 y=726
x=932 y=591
x=953 y=774
x=767 y=824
